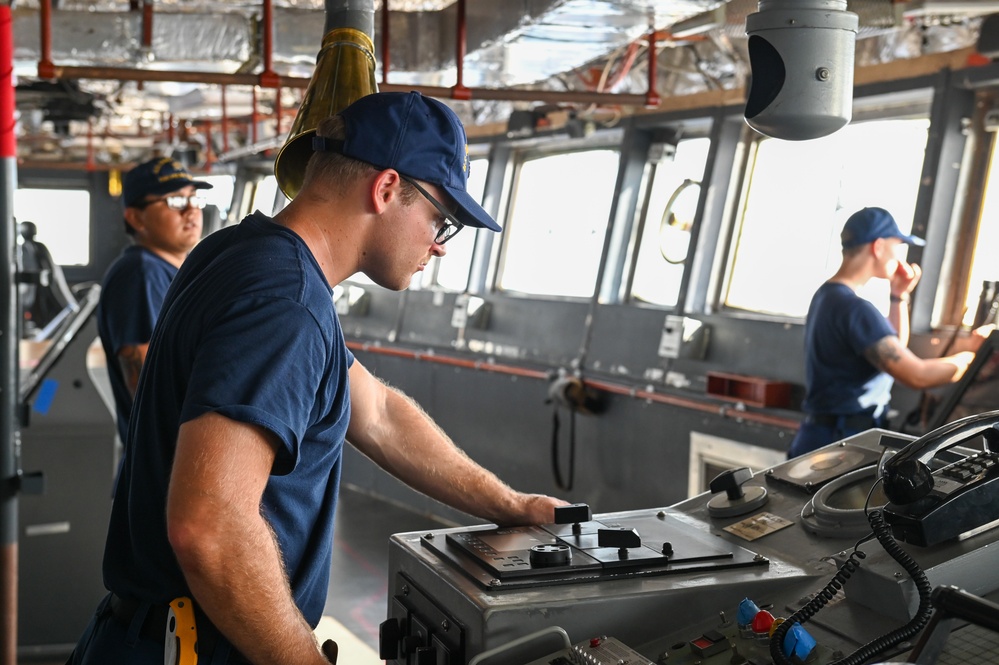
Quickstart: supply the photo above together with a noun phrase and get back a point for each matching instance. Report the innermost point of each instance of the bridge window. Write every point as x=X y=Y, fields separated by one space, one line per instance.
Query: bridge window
x=664 y=245
x=451 y=273
x=983 y=263
x=265 y=195
x=786 y=242
x=220 y=195
x=66 y=234
x=555 y=230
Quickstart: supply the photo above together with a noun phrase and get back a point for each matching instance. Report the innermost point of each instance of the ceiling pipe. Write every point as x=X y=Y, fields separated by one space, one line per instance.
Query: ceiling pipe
x=652 y=98
x=385 y=41
x=147 y=26
x=339 y=12
x=268 y=78
x=225 y=123
x=46 y=69
x=459 y=91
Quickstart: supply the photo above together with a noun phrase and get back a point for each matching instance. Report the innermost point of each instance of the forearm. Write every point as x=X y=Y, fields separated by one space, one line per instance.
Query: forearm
x=898 y=316
x=409 y=445
x=235 y=575
x=937 y=371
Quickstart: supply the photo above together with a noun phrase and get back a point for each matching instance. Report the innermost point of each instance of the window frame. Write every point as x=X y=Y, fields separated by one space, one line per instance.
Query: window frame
x=527 y=150
x=912 y=101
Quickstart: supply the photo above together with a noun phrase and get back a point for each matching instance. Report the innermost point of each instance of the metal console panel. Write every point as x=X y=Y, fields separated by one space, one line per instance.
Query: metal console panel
x=480 y=588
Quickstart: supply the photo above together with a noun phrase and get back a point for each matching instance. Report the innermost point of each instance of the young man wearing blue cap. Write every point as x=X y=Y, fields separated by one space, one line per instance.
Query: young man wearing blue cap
x=853 y=354
x=163 y=217
x=230 y=481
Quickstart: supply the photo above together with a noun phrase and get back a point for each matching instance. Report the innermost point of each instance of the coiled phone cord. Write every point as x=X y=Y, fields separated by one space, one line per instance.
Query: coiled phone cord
x=883 y=533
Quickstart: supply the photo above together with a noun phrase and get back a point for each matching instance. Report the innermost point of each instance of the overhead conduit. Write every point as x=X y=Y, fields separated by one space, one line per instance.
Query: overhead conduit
x=268 y=78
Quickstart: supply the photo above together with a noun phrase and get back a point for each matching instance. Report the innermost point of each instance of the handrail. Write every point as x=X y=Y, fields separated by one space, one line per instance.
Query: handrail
x=694 y=404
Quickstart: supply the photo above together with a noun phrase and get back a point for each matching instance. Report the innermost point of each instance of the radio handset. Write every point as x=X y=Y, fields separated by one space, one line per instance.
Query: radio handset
x=927 y=507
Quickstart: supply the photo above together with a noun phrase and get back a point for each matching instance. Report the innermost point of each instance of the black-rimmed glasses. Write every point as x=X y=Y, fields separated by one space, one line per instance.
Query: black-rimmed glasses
x=179 y=203
x=451 y=224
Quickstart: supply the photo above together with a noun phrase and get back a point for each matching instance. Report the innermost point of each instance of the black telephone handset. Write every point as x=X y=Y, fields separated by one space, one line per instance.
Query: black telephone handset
x=930 y=506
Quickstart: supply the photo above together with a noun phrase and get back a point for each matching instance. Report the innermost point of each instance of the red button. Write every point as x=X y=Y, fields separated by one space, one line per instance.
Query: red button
x=762 y=622
x=594 y=642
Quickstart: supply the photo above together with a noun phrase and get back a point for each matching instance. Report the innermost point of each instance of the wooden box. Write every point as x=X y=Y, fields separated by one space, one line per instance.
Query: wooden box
x=750 y=390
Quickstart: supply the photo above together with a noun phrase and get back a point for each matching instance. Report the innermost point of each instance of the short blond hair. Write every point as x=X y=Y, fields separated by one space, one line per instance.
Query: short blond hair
x=338 y=170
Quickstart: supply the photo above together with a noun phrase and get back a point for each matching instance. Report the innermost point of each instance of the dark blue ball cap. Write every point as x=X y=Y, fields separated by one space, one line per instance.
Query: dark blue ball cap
x=158 y=176
x=869 y=224
x=419 y=137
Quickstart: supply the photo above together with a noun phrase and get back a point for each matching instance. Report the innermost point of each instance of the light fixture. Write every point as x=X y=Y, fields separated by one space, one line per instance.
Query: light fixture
x=699 y=24
x=923 y=8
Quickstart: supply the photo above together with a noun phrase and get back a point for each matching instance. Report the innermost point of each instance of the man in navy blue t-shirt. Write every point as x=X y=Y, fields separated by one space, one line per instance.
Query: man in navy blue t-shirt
x=232 y=466
x=853 y=354
x=163 y=218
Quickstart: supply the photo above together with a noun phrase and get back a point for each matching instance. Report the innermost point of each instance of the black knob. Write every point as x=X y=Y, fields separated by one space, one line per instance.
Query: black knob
x=620 y=538
x=411 y=643
x=543 y=556
x=426 y=656
x=574 y=512
x=668 y=549
x=389 y=633
x=730 y=481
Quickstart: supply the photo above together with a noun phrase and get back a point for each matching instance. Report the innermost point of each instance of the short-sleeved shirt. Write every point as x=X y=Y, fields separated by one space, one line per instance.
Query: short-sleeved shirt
x=248 y=331
x=132 y=293
x=839 y=328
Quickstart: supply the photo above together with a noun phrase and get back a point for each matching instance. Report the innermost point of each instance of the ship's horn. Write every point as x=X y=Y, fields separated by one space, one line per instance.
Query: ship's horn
x=345 y=72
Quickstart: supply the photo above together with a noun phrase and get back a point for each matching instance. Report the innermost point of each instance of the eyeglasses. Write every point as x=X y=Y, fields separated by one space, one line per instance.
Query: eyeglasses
x=450 y=226
x=179 y=203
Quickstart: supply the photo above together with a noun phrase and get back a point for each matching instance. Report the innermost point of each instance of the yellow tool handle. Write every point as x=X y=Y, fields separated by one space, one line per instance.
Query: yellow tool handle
x=181 y=644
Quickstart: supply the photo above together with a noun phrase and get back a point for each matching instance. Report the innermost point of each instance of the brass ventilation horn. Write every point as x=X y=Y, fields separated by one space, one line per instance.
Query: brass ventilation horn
x=345 y=72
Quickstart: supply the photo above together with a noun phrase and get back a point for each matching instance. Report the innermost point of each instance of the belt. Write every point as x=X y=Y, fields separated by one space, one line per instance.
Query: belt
x=153 y=627
x=857 y=421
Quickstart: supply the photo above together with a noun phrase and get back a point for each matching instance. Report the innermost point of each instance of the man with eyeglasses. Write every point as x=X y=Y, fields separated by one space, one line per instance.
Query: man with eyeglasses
x=229 y=488
x=163 y=216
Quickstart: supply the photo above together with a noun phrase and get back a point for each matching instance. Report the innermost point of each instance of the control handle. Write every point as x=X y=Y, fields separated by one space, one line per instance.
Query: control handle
x=730 y=481
x=619 y=538
x=573 y=513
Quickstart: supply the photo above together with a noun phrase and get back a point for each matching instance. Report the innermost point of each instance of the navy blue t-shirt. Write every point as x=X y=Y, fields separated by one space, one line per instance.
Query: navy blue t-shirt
x=131 y=296
x=839 y=327
x=248 y=331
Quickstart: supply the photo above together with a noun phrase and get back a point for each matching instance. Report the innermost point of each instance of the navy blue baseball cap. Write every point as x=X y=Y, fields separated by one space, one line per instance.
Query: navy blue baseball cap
x=156 y=177
x=417 y=136
x=869 y=224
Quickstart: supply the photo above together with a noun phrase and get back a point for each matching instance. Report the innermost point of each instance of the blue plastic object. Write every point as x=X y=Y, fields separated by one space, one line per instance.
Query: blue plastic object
x=747 y=610
x=798 y=643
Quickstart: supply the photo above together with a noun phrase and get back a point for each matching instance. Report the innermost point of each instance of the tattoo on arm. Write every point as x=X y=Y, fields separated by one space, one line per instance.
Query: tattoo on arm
x=130 y=358
x=882 y=353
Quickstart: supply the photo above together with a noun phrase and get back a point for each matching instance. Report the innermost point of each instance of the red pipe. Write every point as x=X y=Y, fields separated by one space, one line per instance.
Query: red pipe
x=90 y=144
x=652 y=98
x=277 y=110
x=225 y=123
x=385 y=41
x=253 y=114
x=147 y=25
x=209 y=156
x=46 y=70
x=8 y=135
x=725 y=411
x=268 y=78
x=459 y=91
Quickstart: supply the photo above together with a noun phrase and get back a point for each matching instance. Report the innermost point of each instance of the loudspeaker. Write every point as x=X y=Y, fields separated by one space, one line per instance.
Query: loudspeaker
x=801 y=53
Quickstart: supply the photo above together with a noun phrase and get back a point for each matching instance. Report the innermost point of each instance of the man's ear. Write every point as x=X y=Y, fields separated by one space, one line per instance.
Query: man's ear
x=133 y=218
x=386 y=186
